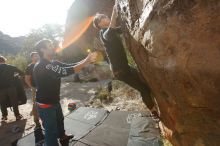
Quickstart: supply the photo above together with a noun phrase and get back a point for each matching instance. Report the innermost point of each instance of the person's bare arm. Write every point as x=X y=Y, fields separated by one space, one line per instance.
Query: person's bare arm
x=28 y=80
x=89 y=59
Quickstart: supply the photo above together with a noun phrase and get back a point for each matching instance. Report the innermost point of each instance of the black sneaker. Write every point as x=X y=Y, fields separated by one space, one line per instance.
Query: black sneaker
x=64 y=141
x=4 y=118
x=19 y=117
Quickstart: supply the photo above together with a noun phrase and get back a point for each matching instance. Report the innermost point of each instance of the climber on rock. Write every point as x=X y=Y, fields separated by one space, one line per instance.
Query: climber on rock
x=109 y=35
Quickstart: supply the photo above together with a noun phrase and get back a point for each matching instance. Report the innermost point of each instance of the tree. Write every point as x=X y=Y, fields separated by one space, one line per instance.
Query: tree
x=54 y=32
x=18 y=60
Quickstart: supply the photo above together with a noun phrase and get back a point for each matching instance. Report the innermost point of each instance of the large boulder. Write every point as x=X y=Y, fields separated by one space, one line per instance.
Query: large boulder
x=175 y=44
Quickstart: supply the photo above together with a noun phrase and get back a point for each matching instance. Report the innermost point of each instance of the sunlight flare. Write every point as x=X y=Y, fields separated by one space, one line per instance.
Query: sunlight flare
x=76 y=32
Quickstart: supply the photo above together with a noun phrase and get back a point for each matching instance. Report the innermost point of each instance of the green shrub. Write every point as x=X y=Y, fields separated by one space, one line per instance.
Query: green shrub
x=19 y=60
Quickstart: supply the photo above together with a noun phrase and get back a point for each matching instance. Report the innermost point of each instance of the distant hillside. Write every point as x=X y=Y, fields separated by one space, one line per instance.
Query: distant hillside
x=10 y=45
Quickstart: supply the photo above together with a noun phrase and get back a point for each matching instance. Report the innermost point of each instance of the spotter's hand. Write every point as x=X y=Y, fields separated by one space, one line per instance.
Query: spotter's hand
x=92 y=57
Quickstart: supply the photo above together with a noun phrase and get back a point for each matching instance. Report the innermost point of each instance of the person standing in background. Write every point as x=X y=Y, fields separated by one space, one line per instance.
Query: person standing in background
x=29 y=80
x=8 y=88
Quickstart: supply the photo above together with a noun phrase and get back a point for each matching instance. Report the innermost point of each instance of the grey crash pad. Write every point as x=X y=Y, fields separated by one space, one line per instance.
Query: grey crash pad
x=97 y=127
x=79 y=123
x=114 y=131
x=83 y=120
x=37 y=138
x=143 y=132
x=81 y=144
x=29 y=140
x=88 y=115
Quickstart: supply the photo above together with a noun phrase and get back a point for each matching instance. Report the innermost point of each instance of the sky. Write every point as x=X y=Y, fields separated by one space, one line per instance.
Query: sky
x=18 y=17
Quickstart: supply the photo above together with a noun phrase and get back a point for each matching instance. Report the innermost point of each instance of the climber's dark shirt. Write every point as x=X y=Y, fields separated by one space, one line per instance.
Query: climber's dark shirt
x=114 y=49
x=47 y=76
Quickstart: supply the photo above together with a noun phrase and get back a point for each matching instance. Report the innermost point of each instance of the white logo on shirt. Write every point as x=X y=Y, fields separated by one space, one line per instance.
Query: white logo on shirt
x=56 y=68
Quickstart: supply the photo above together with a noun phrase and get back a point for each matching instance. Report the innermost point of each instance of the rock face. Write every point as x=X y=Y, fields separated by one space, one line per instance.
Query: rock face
x=176 y=45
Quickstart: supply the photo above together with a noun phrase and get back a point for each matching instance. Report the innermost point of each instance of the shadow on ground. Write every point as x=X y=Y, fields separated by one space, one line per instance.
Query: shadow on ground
x=10 y=132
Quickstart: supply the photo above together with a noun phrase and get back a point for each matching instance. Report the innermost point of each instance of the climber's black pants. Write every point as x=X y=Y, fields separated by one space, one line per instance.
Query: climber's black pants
x=131 y=77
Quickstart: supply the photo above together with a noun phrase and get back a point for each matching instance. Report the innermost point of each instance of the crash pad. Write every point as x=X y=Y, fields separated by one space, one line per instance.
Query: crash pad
x=89 y=115
x=37 y=138
x=98 y=127
x=114 y=131
x=79 y=123
x=144 y=133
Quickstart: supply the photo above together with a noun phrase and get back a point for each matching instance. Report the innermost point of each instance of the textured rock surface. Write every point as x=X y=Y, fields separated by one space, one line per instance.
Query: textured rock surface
x=176 y=45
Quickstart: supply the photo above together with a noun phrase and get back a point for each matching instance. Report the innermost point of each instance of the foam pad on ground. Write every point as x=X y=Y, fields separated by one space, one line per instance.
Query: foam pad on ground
x=28 y=140
x=114 y=131
x=77 y=128
x=80 y=144
x=89 y=115
x=144 y=133
x=79 y=123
